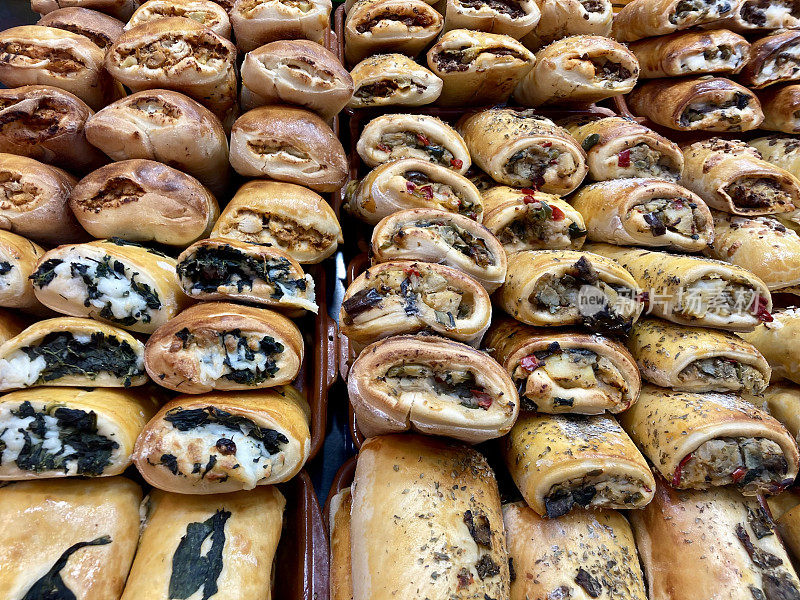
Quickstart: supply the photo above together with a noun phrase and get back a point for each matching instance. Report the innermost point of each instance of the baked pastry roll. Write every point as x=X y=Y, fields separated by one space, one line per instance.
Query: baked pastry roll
x=648 y=18
x=693 y=359
x=691 y=53
x=645 y=212
x=289 y=217
x=581 y=68
x=478 y=68
x=11 y=323
x=524 y=219
x=565 y=18
x=52 y=432
x=298 y=72
x=256 y=22
x=595 y=555
x=238 y=532
x=413 y=183
x=288 y=144
x=781 y=150
x=760 y=15
x=120 y=9
x=523 y=149
x=168 y=127
x=514 y=19
x=380 y=26
x=617 y=148
x=180 y=54
x=437 y=236
x=731 y=176
x=781 y=106
x=697 y=543
x=217 y=443
x=18 y=258
x=782 y=401
x=563 y=462
x=431 y=385
x=68 y=351
x=111 y=202
x=407 y=297
x=221 y=346
x=68 y=538
x=389 y=137
x=393 y=80
x=113 y=281
x=480 y=179
x=398 y=478
x=783 y=509
x=690 y=290
x=207 y=13
x=773 y=59
x=340 y=575
x=564 y=287
x=779 y=341
x=703 y=104
x=101 y=28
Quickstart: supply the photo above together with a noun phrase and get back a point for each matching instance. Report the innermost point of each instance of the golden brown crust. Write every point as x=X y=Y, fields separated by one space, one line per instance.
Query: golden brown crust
x=781 y=150
x=341 y=578
x=393 y=80
x=120 y=9
x=779 y=341
x=564 y=18
x=781 y=105
x=514 y=22
x=102 y=29
x=18 y=258
x=207 y=13
x=782 y=400
x=257 y=22
x=648 y=18
x=764 y=67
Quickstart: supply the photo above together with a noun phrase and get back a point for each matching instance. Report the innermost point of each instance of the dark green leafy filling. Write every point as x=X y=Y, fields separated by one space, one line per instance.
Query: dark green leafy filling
x=5 y=268
x=191 y=569
x=42 y=276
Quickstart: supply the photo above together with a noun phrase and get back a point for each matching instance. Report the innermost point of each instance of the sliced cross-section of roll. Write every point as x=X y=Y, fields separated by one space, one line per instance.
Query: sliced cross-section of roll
x=18 y=259
x=649 y=18
x=431 y=385
x=393 y=80
x=779 y=341
x=256 y=22
x=218 y=443
x=71 y=352
x=205 y=12
x=749 y=16
x=773 y=59
x=514 y=19
x=565 y=18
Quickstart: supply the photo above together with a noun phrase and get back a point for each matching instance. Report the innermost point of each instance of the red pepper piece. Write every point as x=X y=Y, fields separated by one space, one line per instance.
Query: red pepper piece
x=411 y=186
x=676 y=479
x=738 y=474
x=759 y=308
x=384 y=148
x=423 y=139
x=547 y=144
x=530 y=363
x=427 y=191
x=529 y=199
x=528 y=191
x=411 y=271
x=484 y=399
x=624 y=159
x=456 y=163
x=558 y=214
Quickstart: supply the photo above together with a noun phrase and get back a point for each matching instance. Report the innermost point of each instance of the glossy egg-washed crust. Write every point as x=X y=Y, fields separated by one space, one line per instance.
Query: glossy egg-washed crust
x=379 y=412
x=257 y=23
x=393 y=69
x=490 y=18
x=649 y=18
x=509 y=341
x=341 y=578
x=282 y=408
x=123 y=412
x=564 y=18
x=780 y=150
x=544 y=450
x=597 y=543
x=102 y=29
x=205 y=12
x=120 y=9
x=782 y=400
x=42 y=520
x=22 y=255
x=786 y=514
x=416 y=499
x=779 y=342
x=781 y=105
x=495 y=135
x=766 y=49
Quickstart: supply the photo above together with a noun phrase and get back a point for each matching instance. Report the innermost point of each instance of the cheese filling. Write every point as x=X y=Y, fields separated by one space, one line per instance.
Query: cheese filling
x=676 y=215
x=642 y=160
x=782 y=65
x=692 y=12
x=594 y=490
x=7 y=274
x=718 y=58
x=23 y=54
x=429 y=193
x=716 y=296
x=539 y=164
x=732 y=110
x=725 y=373
x=270 y=229
x=768 y=14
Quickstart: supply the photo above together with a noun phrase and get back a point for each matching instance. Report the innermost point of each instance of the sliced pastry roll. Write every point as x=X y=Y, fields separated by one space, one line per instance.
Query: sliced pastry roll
x=781 y=106
x=565 y=18
x=120 y=9
x=768 y=15
x=514 y=18
x=393 y=80
x=437 y=236
x=782 y=400
x=780 y=150
x=783 y=509
x=431 y=385
x=649 y=18
x=50 y=432
x=564 y=462
x=73 y=352
x=779 y=341
x=774 y=58
x=256 y=22
x=645 y=212
x=207 y=13
x=564 y=372
x=218 y=443
x=341 y=569
x=18 y=259
x=565 y=287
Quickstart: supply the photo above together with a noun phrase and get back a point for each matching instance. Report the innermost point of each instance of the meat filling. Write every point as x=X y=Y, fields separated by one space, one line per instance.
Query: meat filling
x=23 y=54
x=115 y=192
x=454 y=236
x=782 y=65
x=725 y=373
x=461 y=59
x=21 y=122
x=691 y=12
x=15 y=193
x=278 y=150
x=717 y=58
x=593 y=6
x=385 y=88
x=412 y=21
x=676 y=215
x=730 y=110
x=609 y=71
x=276 y=230
x=757 y=192
x=643 y=160
x=538 y=226
x=595 y=490
x=711 y=295
x=153 y=105
x=402 y=144
x=768 y=14
x=536 y=162
x=171 y=50
x=450 y=385
x=442 y=195
x=510 y=8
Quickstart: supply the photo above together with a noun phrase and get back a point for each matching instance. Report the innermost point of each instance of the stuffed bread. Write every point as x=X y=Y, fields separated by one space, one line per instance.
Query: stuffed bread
x=766 y=16
x=565 y=18
x=782 y=401
x=257 y=22
x=781 y=106
x=773 y=59
x=340 y=575
x=780 y=150
x=779 y=341
x=786 y=517
x=18 y=258
x=120 y=9
x=393 y=80
x=207 y=13
x=514 y=19
x=649 y=18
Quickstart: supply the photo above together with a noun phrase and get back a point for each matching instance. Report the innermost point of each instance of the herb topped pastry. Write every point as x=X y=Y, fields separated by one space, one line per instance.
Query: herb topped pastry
x=649 y=18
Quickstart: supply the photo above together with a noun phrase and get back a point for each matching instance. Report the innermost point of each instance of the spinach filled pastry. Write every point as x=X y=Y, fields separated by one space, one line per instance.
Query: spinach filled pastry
x=227 y=269
x=397 y=479
x=565 y=462
x=689 y=290
x=732 y=177
x=697 y=441
x=779 y=341
x=409 y=183
x=380 y=26
x=68 y=538
x=111 y=202
x=257 y=22
x=207 y=13
x=219 y=442
x=645 y=212
x=340 y=574
x=691 y=53
x=18 y=259
x=565 y=371
x=168 y=127
x=695 y=544
x=514 y=19
x=762 y=15
x=408 y=297
x=565 y=287
x=393 y=80
x=298 y=72
x=618 y=148
x=50 y=432
x=649 y=18
x=782 y=401
x=389 y=137
x=781 y=106
x=11 y=323
x=565 y=18
x=524 y=219
x=221 y=346
x=68 y=351
x=111 y=280
x=783 y=509
x=693 y=359
x=780 y=150
x=523 y=149
x=595 y=556
x=99 y=27
x=431 y=385
x=288 y=144
x=224 y=545
x=289 y=217
x=478 y=68
x=580 y=68
x=773 y=59
x=697 y=103
x=120 y=9
x=437 y=236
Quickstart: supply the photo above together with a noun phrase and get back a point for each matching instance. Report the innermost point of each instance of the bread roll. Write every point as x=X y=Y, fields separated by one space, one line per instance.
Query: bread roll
x=752 y=15
x=565 y=18
x=18 y=258
x=773 y=59
x=783 y=508
x=778 y=339
x=340 y=575
x=781 y=150
x=393 y=80
x=120 y=9
x=207 y=13
x=100 y=28
x=782 y=401
x=256 y=22
x=514 y=19
x=648 y=18
x=781 y=105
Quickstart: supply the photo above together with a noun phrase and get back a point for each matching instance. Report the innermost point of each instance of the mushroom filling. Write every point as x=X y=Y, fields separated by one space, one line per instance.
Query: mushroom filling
x=279 y=150
x=642 y=160
x=443 y=195
x=751 y=464
x=270 y=229
x=730 y=374
x=593 y=6
x=510 y=8
x=412 y=21
x=609 y=71
x=415 y=144
x=460 y=59
x=214 y=445
x=595 y=489
x=534 y=163
x=676 y=215
x=171 y=50
x=15 y=193
x=386 y=88
x=450 y=384
x=23 y=54
x=6 y=275
x=454 y=236
x=539 y=225
x=27 y=124
x=757 y=192
x=781 y=65
x=55 y=438
x=769 y=14
x=729 y=110
x=717 y=58
x=691 y=12
x=712 y=295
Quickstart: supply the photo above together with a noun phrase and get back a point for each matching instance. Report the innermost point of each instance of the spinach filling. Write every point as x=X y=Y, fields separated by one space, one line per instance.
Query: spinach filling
x=191 y=569
x=51 y=586
x=5 y=268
